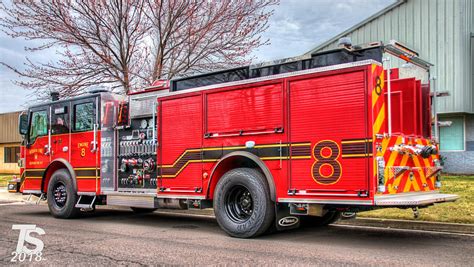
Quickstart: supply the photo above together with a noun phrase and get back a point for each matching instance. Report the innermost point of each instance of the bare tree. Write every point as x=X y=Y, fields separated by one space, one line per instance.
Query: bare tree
x=100 y=42
x=195 y=36
x=130 y=43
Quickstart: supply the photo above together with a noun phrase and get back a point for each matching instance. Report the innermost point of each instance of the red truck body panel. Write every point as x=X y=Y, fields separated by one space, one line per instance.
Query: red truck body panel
x=319 y=121
x=319 y=133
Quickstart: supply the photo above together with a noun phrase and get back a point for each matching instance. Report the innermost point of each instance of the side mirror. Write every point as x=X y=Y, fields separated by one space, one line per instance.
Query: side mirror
x=23 y=124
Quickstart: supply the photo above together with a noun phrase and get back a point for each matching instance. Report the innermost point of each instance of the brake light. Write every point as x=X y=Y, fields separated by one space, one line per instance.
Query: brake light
x=381 y=174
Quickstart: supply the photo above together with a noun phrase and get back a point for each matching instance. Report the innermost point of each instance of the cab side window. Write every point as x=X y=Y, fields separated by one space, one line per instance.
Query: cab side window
x=39 y=125
x=84 y=116
x=60 y=120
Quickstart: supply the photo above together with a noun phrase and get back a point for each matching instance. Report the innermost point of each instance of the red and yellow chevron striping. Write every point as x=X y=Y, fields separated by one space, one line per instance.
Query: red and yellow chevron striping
x=403 y=172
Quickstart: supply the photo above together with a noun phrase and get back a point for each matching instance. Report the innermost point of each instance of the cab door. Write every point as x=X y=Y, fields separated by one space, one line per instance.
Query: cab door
x=84 y=149
x=37 y=149
x=60 y=131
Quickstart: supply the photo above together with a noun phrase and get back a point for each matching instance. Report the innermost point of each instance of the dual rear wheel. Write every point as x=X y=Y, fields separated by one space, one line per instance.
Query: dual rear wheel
x=243 y=207
x=242 y=203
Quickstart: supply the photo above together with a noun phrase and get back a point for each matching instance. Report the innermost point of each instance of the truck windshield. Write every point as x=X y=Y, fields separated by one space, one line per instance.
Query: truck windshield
x=39 y=125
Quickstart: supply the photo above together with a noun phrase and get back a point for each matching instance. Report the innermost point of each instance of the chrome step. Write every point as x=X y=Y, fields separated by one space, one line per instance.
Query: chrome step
x=87 y=203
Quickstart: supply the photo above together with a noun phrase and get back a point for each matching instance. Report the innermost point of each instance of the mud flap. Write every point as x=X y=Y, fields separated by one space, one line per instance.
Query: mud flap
x=283 y=219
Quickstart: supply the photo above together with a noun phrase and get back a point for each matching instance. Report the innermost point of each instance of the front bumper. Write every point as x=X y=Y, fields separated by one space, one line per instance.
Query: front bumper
x=14 y=186
x=413 y=199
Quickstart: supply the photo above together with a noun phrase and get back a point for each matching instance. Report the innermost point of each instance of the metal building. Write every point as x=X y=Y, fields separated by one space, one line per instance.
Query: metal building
x=442 y=31
x=9 y=143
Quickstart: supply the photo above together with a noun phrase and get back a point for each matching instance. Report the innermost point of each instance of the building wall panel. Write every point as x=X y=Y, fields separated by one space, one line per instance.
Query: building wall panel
x=440 y=30
x=8 y=168
x=9 y=128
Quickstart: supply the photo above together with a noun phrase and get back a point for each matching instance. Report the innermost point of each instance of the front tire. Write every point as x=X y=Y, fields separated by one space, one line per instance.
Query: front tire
x=62 y=197
x=242 y=203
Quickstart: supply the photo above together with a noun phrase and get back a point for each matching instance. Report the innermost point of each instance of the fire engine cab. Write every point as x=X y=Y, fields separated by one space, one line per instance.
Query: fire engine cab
x=268 y=146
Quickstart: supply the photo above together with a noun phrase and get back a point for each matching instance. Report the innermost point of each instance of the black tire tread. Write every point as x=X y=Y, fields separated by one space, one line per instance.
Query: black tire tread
x=69 y=210
x=263 y=216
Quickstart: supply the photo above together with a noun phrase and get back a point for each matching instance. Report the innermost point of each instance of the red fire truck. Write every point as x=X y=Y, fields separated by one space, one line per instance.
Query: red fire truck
x=267 y=146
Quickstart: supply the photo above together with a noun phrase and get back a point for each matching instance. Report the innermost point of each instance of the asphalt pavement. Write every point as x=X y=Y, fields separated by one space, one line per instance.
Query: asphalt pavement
x=116 y=236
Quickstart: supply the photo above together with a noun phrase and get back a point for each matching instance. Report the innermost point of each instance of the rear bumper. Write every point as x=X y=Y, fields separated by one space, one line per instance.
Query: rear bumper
x=413 y=199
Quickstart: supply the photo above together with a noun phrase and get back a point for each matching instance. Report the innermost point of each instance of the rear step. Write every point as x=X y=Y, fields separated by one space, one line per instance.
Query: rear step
x=86 y=202
x=413 y=199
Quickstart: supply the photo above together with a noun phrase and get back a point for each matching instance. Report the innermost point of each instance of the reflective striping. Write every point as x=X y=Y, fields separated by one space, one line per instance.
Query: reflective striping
x=380 y=119
x=357 y=141
x=356 y=148
x=212 y=154
x=87 y=172
x=86 y=177
x=356 y=155
x=376 y=99
x=34 y=172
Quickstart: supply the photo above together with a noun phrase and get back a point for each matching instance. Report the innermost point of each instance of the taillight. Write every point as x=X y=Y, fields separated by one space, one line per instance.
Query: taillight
x=381 y=174
x=437 y=164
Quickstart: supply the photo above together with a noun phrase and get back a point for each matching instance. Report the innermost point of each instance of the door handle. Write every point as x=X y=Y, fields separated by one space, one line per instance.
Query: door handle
x=47 y=150
x=94 y=143
x=93 y=146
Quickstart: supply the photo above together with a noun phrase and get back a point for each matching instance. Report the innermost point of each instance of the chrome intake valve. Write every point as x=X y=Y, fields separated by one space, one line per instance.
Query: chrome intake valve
x=424 y=151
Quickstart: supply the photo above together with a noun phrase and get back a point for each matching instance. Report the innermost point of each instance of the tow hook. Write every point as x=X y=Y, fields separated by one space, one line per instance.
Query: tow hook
x=416 y=212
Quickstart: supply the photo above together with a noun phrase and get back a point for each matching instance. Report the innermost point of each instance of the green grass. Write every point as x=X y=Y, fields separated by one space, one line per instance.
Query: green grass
x=4 y=178
x=461 y=211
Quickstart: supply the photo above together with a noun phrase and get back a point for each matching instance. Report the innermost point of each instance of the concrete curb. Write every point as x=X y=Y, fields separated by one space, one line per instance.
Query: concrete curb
x=370 y=222
x=411 y=225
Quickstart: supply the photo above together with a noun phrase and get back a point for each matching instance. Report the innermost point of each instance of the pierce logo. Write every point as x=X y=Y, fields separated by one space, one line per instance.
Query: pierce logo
x=288 y=221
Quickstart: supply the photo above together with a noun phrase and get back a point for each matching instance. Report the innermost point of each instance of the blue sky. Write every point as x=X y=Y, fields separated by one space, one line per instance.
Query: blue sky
x=296 y=27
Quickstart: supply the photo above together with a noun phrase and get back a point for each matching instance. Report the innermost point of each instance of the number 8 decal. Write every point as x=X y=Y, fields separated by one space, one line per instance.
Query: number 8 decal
x=326 y=168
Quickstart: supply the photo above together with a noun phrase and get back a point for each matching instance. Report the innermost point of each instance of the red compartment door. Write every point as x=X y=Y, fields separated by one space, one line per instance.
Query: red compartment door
x=329 y=115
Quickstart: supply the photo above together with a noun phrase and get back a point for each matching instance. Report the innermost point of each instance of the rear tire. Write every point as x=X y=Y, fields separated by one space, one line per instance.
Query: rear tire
x=142 y=210
x=62 y=197
x=328 y=218
x=242 y=203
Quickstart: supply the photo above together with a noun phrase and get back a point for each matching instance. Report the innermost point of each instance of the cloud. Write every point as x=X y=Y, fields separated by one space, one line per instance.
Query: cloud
x=14 y=98
x=299 y=25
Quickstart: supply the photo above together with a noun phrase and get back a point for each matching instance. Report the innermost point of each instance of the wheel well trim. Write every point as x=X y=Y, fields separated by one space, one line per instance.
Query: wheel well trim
x=266 y=172
x=69 y=168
